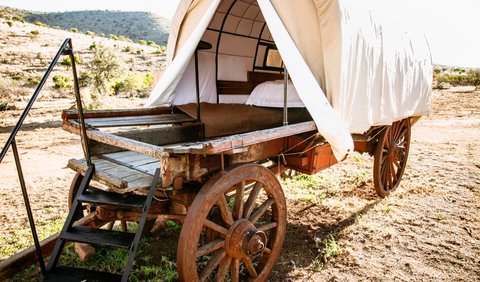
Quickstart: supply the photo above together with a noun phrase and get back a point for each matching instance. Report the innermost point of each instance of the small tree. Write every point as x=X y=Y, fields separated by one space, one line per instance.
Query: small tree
x=103 y=69
x=473 y=77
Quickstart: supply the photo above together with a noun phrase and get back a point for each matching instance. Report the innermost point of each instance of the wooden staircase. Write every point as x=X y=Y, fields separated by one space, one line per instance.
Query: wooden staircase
x=99 y=237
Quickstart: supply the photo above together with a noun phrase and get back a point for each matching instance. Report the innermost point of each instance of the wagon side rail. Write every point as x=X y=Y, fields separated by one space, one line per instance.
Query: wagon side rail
x=65 y=49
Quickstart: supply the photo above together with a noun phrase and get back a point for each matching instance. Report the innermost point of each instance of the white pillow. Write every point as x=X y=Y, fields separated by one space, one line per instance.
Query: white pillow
x=270 y=94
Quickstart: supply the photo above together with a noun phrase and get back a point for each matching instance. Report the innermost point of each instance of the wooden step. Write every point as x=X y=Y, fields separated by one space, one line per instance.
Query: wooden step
x=70 y=274
x=96 y=196
x=98 y=237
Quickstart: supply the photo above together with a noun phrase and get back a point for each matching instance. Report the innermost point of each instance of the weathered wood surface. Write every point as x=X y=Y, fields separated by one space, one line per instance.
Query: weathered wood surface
x=238 y=142
x=73 y=114
x=120 y=142
x=123 y=172
x=138 y=120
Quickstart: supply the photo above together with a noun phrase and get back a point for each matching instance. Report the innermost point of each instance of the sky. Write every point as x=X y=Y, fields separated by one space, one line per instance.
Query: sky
x=451 y=27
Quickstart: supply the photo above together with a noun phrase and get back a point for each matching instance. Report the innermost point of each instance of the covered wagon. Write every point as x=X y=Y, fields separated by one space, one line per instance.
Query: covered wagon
x=252 y=88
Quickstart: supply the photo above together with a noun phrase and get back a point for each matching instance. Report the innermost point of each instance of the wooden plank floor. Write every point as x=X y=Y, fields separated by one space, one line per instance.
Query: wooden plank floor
x=135 y=169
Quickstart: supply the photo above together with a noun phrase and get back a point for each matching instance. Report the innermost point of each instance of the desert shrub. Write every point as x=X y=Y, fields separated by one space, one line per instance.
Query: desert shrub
x=11 y=89
x=102 y=34
x=34 y=80
x=75 y=30
x=17 y=19
x=92 y=46
x=473 y=77
x=10 y=23
x=442 y=86
x=121 y=37
x=22 y=21
x=113 y=36
x=127 y=49
x=452 y=79
x=35 y=32
x=68 y=62
x=90 y=33
x=61 y=82
x=133 y=85
x=105 y=66
x=128 y=39
x=39 y=23
x=5 y=106
x=142 y=42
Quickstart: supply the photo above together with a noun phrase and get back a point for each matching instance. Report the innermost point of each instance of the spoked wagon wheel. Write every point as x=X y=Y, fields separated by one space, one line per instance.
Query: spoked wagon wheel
x=391 y=156
x=249 y=233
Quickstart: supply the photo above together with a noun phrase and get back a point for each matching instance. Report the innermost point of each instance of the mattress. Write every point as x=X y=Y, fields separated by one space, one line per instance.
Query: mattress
x=228 y=119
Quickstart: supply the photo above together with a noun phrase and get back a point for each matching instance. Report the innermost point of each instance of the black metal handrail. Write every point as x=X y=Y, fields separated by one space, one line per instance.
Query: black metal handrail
x=65 y=49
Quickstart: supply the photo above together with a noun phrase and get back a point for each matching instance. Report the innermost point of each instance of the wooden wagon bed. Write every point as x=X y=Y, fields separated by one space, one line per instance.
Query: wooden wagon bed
x=127 y=146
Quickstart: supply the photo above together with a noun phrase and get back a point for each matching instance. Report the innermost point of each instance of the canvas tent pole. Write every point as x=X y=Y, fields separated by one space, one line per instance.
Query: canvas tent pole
x=285 y=96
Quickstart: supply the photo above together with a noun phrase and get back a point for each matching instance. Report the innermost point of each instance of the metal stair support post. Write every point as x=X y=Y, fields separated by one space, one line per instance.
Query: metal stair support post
x=69 y=221
x=29 y=209
x=78 y=99
x=141 y=225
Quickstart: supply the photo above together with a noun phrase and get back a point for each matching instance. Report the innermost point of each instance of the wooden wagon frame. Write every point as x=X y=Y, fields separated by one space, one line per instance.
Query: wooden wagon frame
x=223 y=190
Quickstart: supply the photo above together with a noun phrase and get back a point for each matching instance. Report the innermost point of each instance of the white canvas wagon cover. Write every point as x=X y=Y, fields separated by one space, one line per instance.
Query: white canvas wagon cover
x=351 y=67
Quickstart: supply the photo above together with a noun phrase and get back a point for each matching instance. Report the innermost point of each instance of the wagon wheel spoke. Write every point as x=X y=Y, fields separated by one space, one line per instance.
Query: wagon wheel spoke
x=238 y=207
x=249 y=205
x=210 y=247
x=212 y=264
x=250 y=267
x=223 y=269
x=267 y=226
x=225 y=211
x=261 y=210
x=213 y=226
x=235 y=271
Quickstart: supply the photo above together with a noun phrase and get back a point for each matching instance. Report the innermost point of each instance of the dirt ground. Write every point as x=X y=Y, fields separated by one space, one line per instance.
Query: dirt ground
x=428 y=230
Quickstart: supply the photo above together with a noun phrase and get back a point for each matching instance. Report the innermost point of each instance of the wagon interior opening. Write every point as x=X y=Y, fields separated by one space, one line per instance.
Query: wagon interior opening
x=239 y=80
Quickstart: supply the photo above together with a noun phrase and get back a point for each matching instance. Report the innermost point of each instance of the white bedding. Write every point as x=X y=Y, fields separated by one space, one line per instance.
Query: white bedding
x=270 y=94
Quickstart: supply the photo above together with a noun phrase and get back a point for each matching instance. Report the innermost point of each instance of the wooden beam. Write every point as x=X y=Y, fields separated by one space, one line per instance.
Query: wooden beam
x=25 y=258
x=73 y=114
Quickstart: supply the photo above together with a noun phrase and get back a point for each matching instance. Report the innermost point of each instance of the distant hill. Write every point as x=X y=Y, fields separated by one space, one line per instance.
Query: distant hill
x=135 y=25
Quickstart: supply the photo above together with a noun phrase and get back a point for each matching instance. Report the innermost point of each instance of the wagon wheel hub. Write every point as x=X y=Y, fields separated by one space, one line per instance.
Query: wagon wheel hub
x=244 y=239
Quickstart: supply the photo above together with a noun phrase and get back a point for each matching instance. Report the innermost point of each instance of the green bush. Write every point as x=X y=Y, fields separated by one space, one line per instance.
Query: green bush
x=134 y=85
x=105 y=67
x=102 y=34
x=113 y=36
x=10 y=23
x=39 y=23
x=16 y=19
x=34 y=79
x=90 y=33
x=75 y=30
x=35 y=32
x=61 y=82
x=22 y=21
x=473 y=77
x=142 y=42
x=127 y=49
x=68 y=62
x=92 y=46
